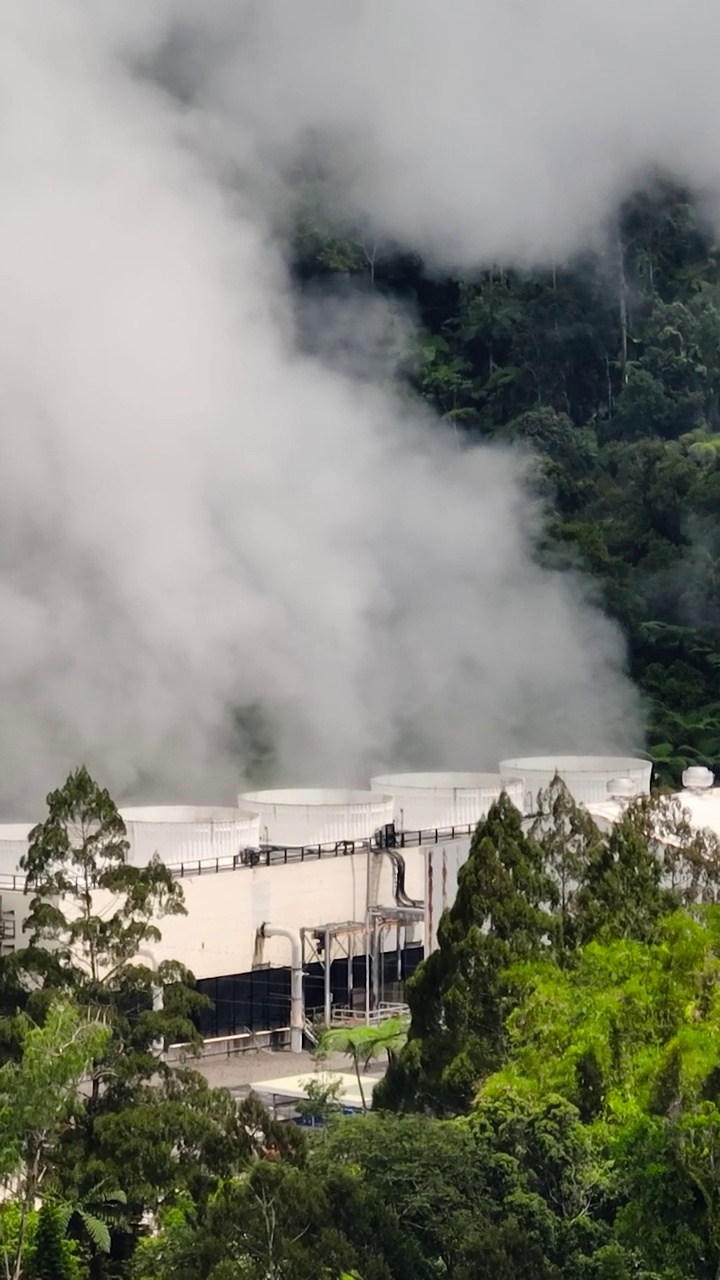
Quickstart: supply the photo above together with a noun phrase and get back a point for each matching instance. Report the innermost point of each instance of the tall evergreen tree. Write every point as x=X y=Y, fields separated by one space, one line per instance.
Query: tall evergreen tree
x=92 y=926
x=571 y=842
x=459 y=996
x=622 y=895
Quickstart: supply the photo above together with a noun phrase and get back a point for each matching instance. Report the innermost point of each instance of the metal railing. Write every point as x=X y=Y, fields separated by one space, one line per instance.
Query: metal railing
x=277 y=856
x=273 y=856
x=234 y=1043
x=15 y=883
x=345 y=1016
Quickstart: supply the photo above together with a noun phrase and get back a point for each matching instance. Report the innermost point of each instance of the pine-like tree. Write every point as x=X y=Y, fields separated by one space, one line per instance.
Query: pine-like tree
x=93 y=918
x=622 y=895
x=570 y=842
x=459 y=995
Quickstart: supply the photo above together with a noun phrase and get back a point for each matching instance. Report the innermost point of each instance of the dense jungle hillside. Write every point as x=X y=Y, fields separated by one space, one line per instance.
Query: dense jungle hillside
x=609 y=367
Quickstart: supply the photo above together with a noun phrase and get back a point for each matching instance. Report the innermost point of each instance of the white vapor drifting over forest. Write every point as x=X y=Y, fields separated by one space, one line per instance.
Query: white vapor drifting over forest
x=196 y=513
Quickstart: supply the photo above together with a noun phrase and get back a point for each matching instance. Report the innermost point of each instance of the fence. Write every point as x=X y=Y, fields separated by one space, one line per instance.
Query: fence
x=270 y=857
x=347 y=1017
x=247 y=859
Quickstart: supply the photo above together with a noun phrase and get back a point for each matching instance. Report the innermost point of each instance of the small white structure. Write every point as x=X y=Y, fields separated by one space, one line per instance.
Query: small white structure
x=182 y=834
x=700 y=798
x=586 y=777
x=427 y=801
x=304 y=817
x=286 y=1090
x=698 y=779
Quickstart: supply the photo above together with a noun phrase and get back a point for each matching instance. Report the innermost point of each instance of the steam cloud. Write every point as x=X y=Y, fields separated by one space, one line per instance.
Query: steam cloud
x=211 y=499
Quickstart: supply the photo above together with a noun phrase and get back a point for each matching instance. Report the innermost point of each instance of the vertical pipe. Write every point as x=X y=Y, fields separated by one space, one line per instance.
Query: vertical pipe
x=367 y=968
x=375 y=976
x=328 y=966
x=297 y=1003
x=158 y=1002
x=368 y=858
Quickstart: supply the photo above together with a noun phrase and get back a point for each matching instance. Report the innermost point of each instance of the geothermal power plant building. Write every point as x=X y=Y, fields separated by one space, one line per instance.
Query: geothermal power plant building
x=337 y=892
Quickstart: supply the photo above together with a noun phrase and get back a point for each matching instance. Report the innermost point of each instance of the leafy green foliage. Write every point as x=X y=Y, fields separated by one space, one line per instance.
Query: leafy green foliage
x=629 y=1037
x=95 y=1214
x=78 y=852
x=621 y=892
x=571 y=844
x=364 y=1044
x=607 y=367
x=39 y=1102
x=570 y=1013
x=92 y=925
x=52 y=1259
x=632 y=1008
x=458 y=996
x=526 y=905
x=93 y=921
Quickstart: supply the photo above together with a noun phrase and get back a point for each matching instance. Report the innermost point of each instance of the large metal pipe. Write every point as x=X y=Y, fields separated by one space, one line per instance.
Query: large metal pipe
x=297 y=1003
x=158 y=1002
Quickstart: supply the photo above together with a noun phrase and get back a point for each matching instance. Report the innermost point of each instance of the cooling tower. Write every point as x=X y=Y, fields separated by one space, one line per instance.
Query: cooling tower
x=586 y=777
x=307 y=817
x=426 y=801
x=178 y=833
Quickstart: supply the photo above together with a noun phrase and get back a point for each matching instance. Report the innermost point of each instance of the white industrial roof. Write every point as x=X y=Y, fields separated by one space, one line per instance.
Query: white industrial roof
x=703 y=809
x=574 y=764
x=13 y=844
x=16 y=830
x=183 y=813
x=310 y=797
x=445 y=781
x=292 y=1088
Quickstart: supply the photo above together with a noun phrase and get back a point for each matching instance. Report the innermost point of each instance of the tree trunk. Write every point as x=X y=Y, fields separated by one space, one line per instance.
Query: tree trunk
x=356 y=1063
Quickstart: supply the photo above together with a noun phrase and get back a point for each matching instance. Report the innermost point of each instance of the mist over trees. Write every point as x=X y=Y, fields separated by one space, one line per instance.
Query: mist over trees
x=606 y=369
x=553 y=1111
x=305 y=463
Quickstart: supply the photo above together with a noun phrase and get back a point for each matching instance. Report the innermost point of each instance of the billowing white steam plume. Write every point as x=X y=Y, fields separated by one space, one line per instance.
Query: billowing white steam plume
x=196 y=515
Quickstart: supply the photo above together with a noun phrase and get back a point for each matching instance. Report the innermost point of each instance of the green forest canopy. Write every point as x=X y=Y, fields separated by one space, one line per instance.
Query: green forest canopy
x=552 y=1115
x=609 y=367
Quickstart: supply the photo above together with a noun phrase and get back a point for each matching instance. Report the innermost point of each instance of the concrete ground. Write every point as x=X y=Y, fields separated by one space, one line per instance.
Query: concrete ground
x=239 y=1071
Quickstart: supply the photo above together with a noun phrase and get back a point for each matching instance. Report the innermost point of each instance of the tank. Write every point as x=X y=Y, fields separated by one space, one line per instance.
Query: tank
x=698 y=779
x=303 y=816
x=586 y=777
x=424 y=801
x=622 y=790
x=178 y=833
x=13 y=846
